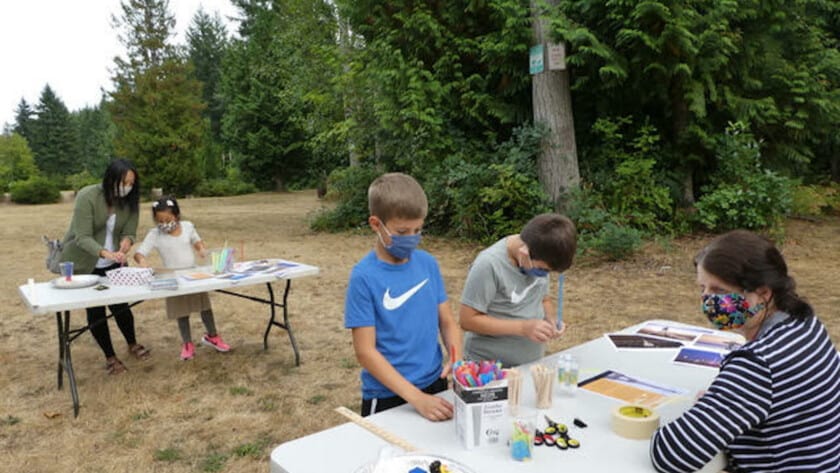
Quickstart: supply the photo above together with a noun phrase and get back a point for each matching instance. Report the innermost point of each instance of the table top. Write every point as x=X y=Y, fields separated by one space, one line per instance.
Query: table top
x=44 y=298
x=351 y=446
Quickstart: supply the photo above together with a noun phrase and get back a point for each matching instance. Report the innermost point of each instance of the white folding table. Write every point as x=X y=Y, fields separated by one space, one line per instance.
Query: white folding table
x=44 y=298
x=347 y=446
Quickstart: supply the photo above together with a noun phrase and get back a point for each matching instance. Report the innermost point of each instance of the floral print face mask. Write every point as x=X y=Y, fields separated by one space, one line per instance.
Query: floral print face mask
x=728 y=311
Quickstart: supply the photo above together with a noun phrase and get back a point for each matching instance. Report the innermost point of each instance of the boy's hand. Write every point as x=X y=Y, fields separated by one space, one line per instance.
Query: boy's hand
x=560 y=332
x=538 y=330
x=432 y=407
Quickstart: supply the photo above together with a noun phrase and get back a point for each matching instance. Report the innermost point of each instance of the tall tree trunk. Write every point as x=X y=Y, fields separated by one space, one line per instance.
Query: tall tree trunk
x=552 y=101
x=345 y=41
x=679 y=122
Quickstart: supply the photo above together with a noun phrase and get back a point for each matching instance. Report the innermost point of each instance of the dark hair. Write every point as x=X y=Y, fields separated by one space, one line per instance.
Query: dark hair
x=114 y=175
x=551 y=238
x=166 y=202
x=749 y=261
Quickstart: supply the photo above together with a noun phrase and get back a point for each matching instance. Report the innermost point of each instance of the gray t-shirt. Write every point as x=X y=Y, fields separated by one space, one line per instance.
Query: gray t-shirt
x=175 y=251
x=496 y=287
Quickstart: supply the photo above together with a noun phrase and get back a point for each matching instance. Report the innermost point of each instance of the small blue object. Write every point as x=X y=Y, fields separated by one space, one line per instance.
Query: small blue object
x=416 y=469
x=520 y=450
x=560 y=282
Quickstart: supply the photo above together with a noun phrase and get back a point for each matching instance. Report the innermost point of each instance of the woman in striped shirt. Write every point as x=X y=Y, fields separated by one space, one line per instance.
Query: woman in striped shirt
x=775 y=405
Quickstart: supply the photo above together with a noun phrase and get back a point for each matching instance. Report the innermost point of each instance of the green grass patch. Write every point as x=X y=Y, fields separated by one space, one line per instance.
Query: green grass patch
x=11 y=420
x=252 y=449
x=240 y=391
x=170 y=454
x=214 y=462
x=144 y=414
x=316 y=399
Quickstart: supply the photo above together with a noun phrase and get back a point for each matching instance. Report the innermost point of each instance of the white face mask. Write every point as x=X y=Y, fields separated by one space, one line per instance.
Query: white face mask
x=124 y=190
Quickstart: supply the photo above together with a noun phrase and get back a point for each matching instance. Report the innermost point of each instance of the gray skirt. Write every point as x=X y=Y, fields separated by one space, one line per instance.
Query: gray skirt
x=182 y=306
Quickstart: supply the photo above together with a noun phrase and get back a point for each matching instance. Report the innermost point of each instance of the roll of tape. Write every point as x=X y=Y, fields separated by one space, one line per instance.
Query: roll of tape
x=634 y=422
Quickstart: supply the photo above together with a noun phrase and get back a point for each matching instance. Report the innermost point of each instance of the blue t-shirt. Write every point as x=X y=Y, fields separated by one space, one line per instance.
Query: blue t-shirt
x=401 y=302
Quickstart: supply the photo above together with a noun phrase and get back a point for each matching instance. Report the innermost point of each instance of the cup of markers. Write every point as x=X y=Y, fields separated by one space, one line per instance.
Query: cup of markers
x=473 y=374
x=222 y=260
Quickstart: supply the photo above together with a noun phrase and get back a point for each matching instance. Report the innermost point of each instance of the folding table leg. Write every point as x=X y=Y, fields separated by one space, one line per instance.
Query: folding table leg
x=68 y=365
x=285 y=324
x=61 y=337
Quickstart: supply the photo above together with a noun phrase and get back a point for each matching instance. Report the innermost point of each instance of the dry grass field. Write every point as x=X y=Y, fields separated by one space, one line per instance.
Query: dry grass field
x=225 y=412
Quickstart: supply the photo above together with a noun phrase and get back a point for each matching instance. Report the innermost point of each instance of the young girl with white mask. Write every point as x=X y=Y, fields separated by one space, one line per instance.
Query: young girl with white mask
x=177 y=241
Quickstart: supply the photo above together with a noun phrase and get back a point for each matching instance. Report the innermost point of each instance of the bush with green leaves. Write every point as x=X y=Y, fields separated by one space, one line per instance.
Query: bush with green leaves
x=35 y=190
x=626 y=174
x=742 y=193
x=81 y=179
x=617 y=242
x=232 y=184
x=486 y=196
x=348 y=187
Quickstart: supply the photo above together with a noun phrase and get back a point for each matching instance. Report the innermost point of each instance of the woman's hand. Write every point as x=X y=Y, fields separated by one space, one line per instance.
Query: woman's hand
x=117 y=256
x=125 y=245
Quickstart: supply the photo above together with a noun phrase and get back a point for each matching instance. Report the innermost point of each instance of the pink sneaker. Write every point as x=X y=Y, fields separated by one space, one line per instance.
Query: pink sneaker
x=188 y=351
x=215 y=342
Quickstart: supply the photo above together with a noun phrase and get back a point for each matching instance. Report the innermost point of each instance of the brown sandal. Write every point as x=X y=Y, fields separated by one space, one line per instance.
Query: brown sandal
x=114 y=366
x=140 y=352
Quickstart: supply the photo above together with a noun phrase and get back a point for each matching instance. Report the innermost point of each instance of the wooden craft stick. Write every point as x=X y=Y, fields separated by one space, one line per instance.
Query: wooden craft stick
x=375 y=429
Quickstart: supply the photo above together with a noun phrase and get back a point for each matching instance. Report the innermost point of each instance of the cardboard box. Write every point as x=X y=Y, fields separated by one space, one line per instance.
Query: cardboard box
x=481 y=413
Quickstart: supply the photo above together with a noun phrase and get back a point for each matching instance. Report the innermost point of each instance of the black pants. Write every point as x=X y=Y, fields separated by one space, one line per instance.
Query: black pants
x=372 y=406
x=96 y=318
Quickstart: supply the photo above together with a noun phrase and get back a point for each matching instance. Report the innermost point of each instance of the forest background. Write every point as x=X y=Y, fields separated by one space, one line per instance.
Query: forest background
x=689 y=115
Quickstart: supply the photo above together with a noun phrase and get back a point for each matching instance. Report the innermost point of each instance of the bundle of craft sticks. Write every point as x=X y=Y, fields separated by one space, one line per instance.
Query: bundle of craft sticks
x=543 y=382
x=514 y=386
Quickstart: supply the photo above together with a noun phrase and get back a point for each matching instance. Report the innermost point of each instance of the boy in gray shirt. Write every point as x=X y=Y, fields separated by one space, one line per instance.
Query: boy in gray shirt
x=506 y=312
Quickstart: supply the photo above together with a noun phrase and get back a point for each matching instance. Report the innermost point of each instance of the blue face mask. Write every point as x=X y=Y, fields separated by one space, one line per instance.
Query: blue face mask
x=532 y=271
x=401 y=245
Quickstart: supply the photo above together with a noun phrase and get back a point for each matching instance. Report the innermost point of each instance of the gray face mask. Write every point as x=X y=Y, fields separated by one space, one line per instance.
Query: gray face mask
x=168 y=227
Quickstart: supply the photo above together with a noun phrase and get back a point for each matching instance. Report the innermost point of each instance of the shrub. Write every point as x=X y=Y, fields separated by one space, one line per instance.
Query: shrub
x=81 y=179
x=35 y=190
x=617 y=242
x=814 y=200
x=348 y=187
x=232 y=184
x=742 y=193
x=632 y=189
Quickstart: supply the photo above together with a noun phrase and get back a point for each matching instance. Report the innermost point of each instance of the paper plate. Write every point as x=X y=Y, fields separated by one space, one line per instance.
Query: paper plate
x=405 y=462
x=81 y=280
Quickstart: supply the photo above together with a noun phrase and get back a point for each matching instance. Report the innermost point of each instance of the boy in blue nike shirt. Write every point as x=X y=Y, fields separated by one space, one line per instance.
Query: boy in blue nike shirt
x=397 y=307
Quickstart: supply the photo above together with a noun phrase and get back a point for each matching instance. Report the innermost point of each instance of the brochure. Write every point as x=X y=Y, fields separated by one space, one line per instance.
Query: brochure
x=631 y=390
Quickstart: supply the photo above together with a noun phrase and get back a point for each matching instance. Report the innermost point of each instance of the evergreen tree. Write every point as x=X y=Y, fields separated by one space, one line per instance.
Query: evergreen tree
x=207 y=40
x=156 y=104
x=96 y=138
x=276 y=84
x=54 y=140
x=24 y=117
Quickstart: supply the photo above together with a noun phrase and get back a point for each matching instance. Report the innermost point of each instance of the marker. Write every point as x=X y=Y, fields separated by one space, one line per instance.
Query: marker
x=560 y=282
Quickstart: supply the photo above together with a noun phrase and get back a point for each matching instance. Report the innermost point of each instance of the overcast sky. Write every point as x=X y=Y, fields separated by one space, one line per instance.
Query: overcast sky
x=70 y=45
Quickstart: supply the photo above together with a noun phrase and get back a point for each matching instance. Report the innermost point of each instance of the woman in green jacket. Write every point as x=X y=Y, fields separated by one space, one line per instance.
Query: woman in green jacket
x=101 y=233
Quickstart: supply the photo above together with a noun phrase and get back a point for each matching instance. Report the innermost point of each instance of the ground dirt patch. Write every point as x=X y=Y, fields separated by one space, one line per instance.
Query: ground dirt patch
x=225 y=412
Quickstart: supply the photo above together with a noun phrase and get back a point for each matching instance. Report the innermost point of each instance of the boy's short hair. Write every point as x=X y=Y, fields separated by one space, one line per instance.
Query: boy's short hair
x=397 y=195
x=551 y=238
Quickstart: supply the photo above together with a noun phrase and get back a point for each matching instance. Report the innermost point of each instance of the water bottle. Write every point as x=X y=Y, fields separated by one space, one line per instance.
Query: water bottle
x=571 y=373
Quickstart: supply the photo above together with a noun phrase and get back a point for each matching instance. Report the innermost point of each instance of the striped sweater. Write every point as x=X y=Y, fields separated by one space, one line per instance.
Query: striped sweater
x=774 y=406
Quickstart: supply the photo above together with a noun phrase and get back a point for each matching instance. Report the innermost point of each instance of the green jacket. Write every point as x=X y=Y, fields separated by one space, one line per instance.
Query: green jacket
x=86 y=236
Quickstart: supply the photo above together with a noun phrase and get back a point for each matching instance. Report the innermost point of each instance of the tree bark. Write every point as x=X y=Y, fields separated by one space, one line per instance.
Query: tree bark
x=552 y=102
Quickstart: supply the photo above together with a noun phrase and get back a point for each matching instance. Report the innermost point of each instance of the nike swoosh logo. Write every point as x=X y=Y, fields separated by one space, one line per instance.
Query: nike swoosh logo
x=392 y=303
x=516 y=297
